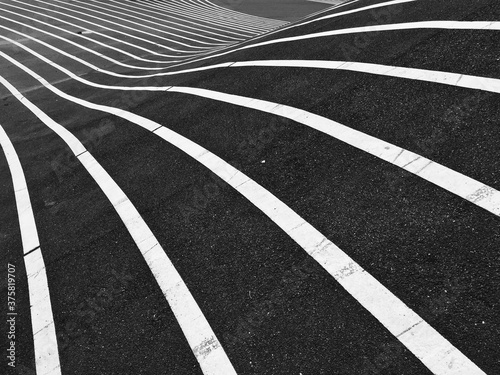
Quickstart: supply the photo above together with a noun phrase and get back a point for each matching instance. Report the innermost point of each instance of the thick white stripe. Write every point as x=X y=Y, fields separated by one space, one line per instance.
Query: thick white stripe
x=447 y=25
x=465 y=187
x=42 y=319
x=197 y=330
x=439 y=355
x=445 y=78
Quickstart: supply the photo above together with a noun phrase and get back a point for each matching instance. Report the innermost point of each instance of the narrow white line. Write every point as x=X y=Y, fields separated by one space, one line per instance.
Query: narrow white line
x=224 y=13
x=445 y=78
x=88 y=9
x=264 y=20
x=352 y=11
x=435 y=352
x=202 y=340
x=184 y=52
x=447 y=25
x=42 y=319
x=80 y=46
x=206 y=17
x=465 y=187
x=164 y=25
x=84 y=62
x=257 y=19
x=232 y=49
x=141 y=10
x=109 y=46
x=434 y=76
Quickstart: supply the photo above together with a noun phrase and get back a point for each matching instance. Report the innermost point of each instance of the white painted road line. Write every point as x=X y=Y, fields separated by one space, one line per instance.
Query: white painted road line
x=202 y=340
x=432 y=349
x=86 y=19
x=165 y=23
x=142 y=25
x=257 y=37
x=434 y=76
x=445 y=78
x=444 y=25
x=352 y=11
x=204 y=16
x=42 y=319
x=82 y=47
x=99 y=26
x=465 y=187
x=108 y=46
x=244 y=16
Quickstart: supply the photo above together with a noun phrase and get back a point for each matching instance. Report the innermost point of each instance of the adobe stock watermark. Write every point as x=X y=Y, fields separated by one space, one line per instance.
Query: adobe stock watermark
x=11 y=315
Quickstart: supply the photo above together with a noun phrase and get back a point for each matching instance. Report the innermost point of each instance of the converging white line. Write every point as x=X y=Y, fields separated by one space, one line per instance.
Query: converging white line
x=432 y=349
x=482 y=195
x=42 y=319
x=202 y=340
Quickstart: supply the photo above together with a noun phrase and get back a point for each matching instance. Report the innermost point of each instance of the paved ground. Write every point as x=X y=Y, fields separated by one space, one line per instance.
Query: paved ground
x=344 y=221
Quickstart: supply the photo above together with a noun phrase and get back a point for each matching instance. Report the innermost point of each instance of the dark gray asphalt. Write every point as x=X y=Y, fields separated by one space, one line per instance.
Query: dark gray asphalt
x=275 y=310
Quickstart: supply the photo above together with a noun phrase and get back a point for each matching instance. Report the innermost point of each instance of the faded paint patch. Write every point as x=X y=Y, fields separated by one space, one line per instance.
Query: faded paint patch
x=481 y=194
x=206 y=347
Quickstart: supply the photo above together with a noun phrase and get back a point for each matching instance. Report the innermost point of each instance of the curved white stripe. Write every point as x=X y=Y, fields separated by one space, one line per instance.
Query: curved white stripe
x=449 y=25
x=255 y=18
x=207 y=16
x=70 y=42
x=202 y=33
x=184 y=52
x=241 y=15
x=165 y=23
x=348 y=12
x=246 y=47
x=143 y=10
x=196 y=328
x=445 y=78
x=465 y=187
x=88 y=9
x=42 y=318
x=437 y=353
x=81 y=61
x=226 y=13
x=90 y=39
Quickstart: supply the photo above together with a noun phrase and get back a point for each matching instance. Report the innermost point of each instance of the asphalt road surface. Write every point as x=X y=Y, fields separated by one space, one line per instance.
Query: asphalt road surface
x=250 y=187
